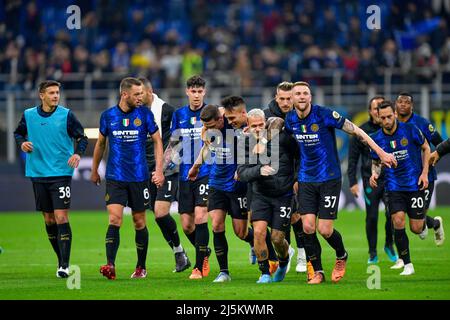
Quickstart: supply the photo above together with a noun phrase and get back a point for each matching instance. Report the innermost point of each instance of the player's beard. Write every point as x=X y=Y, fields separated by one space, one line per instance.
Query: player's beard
x=302 y=106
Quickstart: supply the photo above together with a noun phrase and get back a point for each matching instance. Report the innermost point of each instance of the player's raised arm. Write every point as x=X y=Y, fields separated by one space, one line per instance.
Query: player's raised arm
x=99 y=150
x=352 y=129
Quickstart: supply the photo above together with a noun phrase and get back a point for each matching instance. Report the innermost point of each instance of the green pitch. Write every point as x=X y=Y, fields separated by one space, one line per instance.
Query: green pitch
x=28 y=265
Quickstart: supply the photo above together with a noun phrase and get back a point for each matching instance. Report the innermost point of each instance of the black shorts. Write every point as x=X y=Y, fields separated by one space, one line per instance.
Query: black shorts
x=169 y=190
x=428 y=193
x=410 y=202
x=319 y=198
x=232 y=202
x=50 y=196
x=276 y=211
x=192 y=194
x=135 y=195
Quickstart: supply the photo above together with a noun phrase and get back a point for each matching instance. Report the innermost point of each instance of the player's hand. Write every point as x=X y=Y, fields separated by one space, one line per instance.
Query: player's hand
x=236 y=176
x=95 y=178
x=27 y=146
x=388 y=159
x=295 y=187
x=74 y=161
x=354 y=189
x=373 y=181
x=267 y=170
x=259 y=148
x=158 y=178
x=434 y=158
x=423 y=180
x=193 y=172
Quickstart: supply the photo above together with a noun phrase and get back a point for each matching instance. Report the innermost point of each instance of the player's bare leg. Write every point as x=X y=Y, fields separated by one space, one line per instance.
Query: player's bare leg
x=282 y=249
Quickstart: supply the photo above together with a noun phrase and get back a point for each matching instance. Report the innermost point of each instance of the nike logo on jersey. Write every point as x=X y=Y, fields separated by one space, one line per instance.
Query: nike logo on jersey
x=167 y=196
x=66 y=202
x=184 y=121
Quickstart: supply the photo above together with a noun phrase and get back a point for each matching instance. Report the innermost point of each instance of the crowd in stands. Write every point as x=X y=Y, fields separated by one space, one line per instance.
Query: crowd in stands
x=259 y=42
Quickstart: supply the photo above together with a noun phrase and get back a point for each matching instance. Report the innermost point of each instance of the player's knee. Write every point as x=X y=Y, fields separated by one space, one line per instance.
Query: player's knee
x=277 y=238
x=325 y=231
x=309 y=228
x=416 y=228
x=259 y=234
x=49 y=219
x=115 y=220
x=398 y=222
x=218 y=226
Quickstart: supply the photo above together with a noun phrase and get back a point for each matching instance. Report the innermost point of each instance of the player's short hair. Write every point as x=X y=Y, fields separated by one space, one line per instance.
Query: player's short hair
x=285 y=86
x=210 y=112
x=46 y=84
x=145 y=82
x=231 y=102
x=256 y=113
x=128 y=82
x=386 y=104
x=195 y=82
x=405 y=94
x=375 y=98
x=301 y=83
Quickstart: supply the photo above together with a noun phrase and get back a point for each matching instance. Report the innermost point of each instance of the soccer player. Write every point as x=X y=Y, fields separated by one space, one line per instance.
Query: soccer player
x=319 y=175
x=125 y=126
x=406 y=183
x=372 y=196
x=161 y=198
x=225 y=193
x=272 y=189
x=441 y=150
x=46 y=133
x=186 y=131
x=236 y=114
x=279 y=107
x=405 y=105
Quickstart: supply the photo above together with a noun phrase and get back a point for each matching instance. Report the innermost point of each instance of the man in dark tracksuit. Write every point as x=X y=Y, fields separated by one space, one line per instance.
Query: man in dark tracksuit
x=372 y=196
x=162 y=198
x=279 y=107
x=272 y=191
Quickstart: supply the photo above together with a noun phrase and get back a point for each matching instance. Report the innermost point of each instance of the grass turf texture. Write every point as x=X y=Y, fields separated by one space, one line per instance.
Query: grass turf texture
x=28 y=265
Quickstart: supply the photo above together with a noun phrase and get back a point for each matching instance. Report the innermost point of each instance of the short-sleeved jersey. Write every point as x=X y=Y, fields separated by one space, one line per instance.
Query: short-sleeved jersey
x=224 y=155
x=316 y=137
x=429 y=132
x=187 y=128
x=405 y=144
x=127 y=134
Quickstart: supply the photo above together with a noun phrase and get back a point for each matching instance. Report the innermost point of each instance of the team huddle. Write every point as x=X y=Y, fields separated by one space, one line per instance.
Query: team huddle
x=270 y=170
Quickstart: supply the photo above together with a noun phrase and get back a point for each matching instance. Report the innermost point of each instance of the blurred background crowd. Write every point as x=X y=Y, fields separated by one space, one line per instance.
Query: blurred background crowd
x=254 y=42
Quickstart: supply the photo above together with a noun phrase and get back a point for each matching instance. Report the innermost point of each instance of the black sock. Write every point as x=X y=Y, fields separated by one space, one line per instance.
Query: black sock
x=249 y=238
x=283 y=261
x=52 y=232
x=141 y=239
x=335 y=241
x=264 y=266
x=221 y=249
x=389 y=241
x=432 y=223
x=191 y=236
x=169 y=230
x=201 y=244
x=313 y=251
x=272 y=254
x=402 y=243
x=299 y=234
x=112 y=242
x=64 y=243
x=287 y=235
